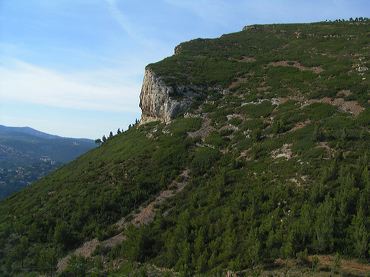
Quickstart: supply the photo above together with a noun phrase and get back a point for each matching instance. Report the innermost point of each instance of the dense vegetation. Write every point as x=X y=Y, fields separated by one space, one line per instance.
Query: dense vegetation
x=26 y=155
x=340 y=49
x=282 y=171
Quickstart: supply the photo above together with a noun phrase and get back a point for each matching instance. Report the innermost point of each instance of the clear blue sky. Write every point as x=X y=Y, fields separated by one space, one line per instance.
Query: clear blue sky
x=75 y=67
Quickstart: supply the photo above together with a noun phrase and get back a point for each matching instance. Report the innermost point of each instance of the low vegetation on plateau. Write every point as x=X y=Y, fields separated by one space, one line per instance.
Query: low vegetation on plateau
x=266 y=173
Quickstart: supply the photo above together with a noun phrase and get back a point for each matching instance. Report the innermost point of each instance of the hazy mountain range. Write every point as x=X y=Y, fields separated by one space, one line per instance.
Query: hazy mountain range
x=27 y=154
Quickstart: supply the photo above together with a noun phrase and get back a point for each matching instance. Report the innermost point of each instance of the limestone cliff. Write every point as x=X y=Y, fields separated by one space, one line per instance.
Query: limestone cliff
x=159 y=101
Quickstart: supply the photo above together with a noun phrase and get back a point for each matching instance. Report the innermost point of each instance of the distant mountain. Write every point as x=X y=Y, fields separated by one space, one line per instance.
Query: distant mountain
x=27 y=154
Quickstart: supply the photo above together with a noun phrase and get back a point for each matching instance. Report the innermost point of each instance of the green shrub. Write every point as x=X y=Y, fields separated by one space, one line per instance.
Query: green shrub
x=263 y=109
x=235 y=121
x=318 y=111
x=203 y=159
x=181 y=126
x=215 y=139
x=315 y=263
x=77 y=266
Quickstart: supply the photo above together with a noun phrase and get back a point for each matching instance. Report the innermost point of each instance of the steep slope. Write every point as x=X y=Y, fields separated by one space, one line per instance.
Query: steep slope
x=271 y=126
x=27 y=155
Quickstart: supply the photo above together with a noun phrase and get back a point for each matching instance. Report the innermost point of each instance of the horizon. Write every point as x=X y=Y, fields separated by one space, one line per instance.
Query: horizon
x=75 y=68
x=40 y=131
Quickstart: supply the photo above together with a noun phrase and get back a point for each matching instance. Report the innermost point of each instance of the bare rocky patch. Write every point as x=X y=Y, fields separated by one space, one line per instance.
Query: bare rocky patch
x=237 y=82
x=300 y=125
x=295 y=64
x=274 y=101
x=204 y=130
x=152 y=133
x=113 y=241
x=246 y=154
x=234 y=115
x=85 y=250
x=244 y=59
x=283 y=152
x=229 y=127
x=263 y=88
x=330 y=152
x=352 y=107
x=298 y=180
x=344 y=93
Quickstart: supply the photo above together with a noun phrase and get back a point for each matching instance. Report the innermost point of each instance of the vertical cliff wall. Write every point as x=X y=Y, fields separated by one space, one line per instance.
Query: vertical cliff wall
x=158 y=101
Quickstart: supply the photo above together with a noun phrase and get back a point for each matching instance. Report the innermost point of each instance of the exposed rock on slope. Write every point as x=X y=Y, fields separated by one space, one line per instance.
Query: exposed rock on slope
x=159 y=101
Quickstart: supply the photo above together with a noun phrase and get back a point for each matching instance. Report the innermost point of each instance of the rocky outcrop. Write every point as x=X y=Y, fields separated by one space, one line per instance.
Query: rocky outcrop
x=178 y=49
x=159 y=101
x=251 y=27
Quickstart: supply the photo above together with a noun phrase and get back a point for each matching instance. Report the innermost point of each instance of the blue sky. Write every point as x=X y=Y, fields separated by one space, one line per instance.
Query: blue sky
x=75 y=67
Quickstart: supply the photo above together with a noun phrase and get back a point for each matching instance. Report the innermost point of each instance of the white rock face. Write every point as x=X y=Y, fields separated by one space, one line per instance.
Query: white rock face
x=157 y=101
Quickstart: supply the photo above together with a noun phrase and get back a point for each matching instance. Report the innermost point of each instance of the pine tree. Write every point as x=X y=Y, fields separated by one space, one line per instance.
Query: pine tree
x=365 y=178
x=178 y=247
x=63 y=235
x=229 y=242
x=20 y=251
x=279 y=127
x=317 y=134
x=47 y=259
x=347 y=196
x=256 y=135
x=324 y=226
x=199 y=243
x=360 y=235
x=317 y=193
x=98 y=141
x=304 y=230
x=252 y=243
x=77 y=266
x=185 y=257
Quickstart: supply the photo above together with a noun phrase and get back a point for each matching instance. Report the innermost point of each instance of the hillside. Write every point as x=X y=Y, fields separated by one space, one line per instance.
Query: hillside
x=27 y=155
x=251 y=157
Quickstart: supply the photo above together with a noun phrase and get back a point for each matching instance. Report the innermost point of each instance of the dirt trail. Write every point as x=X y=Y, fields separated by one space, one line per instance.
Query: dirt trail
x=293 y=267
x=144 y=215
x=346 y=265
x=85 y=250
